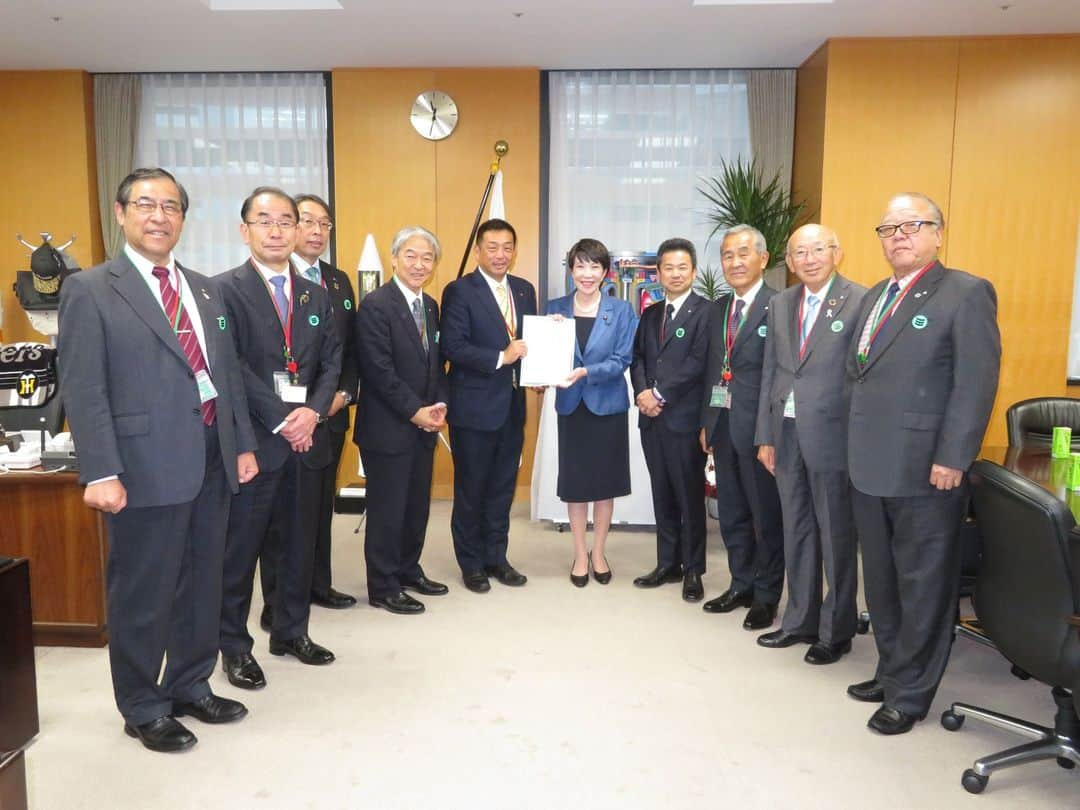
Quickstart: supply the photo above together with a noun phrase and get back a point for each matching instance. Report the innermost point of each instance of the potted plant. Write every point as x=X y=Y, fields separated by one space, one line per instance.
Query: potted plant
x=740 y=195
x=710 y=283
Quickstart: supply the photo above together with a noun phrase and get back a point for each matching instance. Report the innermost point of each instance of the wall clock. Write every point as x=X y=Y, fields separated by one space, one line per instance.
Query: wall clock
x=434 y=115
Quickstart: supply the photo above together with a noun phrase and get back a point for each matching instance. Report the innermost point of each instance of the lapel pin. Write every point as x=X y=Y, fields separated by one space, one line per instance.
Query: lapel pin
x=762 y=330
x=837 y=326
x=832 y=302
x=304 y=298
x=828 y=313
x=348 y=304
x=313 y=320
x=221 y=322
x=205 y=294
x=680 y=332
x=919 y=321
x=337 y=286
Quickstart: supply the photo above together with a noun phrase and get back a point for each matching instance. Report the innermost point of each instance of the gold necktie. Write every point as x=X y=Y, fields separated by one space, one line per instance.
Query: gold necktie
x=504 y=308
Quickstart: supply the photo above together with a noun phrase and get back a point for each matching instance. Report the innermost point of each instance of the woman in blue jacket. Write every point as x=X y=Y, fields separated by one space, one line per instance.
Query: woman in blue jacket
x=592 y=405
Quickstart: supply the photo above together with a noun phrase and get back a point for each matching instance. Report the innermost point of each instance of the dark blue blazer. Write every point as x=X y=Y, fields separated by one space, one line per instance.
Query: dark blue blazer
x=606 y=355
x=472 y=335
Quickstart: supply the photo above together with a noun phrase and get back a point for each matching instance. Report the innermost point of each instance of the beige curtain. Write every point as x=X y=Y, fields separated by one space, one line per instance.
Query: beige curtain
x=771 y=100
x=116 y=116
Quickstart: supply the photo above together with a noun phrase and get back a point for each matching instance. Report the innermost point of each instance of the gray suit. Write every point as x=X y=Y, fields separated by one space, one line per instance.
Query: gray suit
x=923 y=397
x=811 y=457
x=134 y=411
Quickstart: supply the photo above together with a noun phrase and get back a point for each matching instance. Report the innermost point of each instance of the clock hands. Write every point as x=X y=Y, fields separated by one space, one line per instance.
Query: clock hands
x=434 y=113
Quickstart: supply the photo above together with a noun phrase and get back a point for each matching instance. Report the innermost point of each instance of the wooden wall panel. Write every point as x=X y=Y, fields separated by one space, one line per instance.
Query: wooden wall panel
x=888 y=128
x=810 y=131
x=1015 y=201
x=48 y=176
x=386 y=176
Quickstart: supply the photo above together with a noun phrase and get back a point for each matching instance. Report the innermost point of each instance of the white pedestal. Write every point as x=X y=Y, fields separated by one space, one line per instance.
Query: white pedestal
x=634 y=509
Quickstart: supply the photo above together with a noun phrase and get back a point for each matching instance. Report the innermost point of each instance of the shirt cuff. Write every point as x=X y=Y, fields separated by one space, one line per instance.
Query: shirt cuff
x=656 y=393
x=103 y=480
x=499 y=364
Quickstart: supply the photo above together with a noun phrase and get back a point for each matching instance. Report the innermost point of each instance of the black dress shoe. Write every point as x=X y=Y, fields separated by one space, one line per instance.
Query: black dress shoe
x=867 y=691
x=476 y=581
x=603 y=577
x=164 y=734
x=335 y=600
x=728 y=601
x=211 y=709
x=692 y=589
x=759 y=616
x=579 y=580
x=659 y=576
x=243 y=671
x=780 y=638
x=887 y=720
x=506 y=574
x=303 y=649
x=400 y=602
x=825 y=653
x=425 y=586
x=266 y=618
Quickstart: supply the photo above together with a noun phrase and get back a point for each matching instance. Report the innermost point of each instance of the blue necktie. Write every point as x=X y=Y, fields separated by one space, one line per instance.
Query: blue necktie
x=313 y=274
x=812 y=302
x=280 y=299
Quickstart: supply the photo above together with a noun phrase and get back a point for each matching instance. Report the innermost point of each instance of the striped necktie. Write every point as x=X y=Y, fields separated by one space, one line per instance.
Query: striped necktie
x=180 y=322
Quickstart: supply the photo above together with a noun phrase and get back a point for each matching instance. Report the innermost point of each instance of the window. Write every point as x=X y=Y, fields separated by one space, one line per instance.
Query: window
x=223 y=134
x=628 y=150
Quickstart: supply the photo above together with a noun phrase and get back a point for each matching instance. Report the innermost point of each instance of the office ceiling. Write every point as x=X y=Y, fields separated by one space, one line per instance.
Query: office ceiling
x=178 y=35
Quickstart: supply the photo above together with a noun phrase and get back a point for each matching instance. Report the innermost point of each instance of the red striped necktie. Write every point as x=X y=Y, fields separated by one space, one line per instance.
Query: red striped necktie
x=185 y=333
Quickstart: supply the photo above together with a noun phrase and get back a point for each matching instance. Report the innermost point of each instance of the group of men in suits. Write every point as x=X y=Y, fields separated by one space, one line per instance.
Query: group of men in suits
x=836 y=417
x=210 y=415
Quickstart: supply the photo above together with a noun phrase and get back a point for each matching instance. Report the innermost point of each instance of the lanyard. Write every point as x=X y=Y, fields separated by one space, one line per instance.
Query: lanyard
x=729 y=339
x=883 y=316
x=286 y=327
x=511 y=325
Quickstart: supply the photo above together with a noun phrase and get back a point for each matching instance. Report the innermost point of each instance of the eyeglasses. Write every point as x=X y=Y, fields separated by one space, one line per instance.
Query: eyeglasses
x=281 y=224
x=818 y=252
x=325 y=224
x=906 y=228
x=145 y=205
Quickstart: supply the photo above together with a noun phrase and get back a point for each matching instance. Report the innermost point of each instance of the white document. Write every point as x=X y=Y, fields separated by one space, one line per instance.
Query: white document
x=551 y=350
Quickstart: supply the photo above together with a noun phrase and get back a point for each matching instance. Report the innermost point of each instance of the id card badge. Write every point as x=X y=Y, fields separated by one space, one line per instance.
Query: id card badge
x=293 y=394
x=721 y=397
x=207 y=391
x=789 y=406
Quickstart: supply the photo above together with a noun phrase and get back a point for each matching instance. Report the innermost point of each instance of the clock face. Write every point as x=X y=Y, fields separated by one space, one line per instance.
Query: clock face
x=434 y=115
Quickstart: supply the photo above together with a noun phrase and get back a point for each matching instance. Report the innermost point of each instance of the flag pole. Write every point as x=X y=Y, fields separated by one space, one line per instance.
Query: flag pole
x=501 y=148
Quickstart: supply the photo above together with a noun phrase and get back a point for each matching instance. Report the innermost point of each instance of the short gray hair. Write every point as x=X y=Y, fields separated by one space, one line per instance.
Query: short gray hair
x=918 y=195
x=408 y=232
x=759 y=239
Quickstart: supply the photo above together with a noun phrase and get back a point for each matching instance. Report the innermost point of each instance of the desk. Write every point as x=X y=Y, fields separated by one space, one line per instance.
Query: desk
x=18 y=685
x=1036 y=465
x=46 y=521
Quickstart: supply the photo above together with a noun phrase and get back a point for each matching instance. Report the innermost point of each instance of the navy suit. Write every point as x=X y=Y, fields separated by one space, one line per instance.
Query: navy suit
x=675 y=367
x=748 y=502
x=486 y=415
x=340 y=291
x=133 y=406
x=399 y=378
x=606 y=357
x=286 y=490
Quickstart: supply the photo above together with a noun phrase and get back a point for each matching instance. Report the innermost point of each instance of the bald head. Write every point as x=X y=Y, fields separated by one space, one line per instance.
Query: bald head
x=813 y=252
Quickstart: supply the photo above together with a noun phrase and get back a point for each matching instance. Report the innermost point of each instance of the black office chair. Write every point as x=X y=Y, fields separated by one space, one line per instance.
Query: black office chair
x=1026 y=597
x=1031 y=422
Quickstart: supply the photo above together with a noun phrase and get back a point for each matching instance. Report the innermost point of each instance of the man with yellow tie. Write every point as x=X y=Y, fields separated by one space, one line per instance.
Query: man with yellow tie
x=482 y=315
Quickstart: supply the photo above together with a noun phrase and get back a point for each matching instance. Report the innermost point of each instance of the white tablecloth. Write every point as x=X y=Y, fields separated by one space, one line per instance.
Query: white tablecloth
x=634 y=509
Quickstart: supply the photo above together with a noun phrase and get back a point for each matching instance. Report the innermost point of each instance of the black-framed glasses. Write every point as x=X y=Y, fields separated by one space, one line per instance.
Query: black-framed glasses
x=281 y=224
x=324 y=224
x=145 y=205
x=906 y=228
